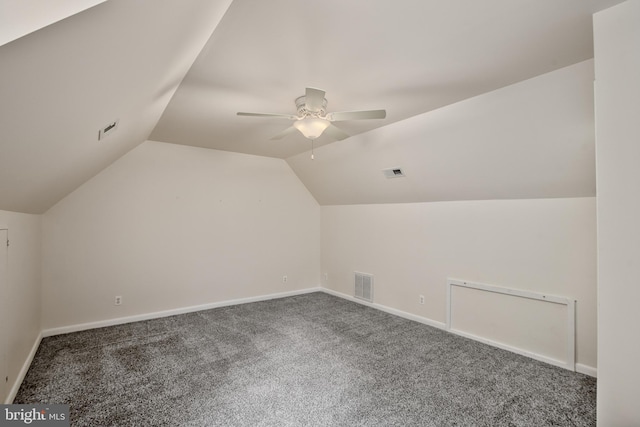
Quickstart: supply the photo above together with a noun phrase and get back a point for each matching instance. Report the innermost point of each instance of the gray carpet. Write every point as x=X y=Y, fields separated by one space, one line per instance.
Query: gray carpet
x=309 y=360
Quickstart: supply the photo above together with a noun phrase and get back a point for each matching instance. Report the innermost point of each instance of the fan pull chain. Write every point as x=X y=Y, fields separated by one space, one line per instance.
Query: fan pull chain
x=312 y=156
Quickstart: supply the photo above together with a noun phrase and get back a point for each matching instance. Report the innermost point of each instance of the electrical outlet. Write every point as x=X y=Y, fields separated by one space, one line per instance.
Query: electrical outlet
x=421 y=299
x=118 y=300
x=284 y=279
x=326 y=277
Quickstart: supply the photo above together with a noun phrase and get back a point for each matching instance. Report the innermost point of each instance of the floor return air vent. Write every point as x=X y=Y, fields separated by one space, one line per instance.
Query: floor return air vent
x=363 y=286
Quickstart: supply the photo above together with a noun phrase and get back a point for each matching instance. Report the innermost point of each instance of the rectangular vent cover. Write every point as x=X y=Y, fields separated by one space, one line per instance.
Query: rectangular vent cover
x=364 y=286
x=107 y=130
x=393 y=173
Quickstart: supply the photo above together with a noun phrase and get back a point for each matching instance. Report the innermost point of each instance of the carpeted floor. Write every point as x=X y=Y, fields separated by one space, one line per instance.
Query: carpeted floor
x=309 y=360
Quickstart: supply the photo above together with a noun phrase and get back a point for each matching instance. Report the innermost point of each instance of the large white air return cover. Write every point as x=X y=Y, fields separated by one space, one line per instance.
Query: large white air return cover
x=364 y=286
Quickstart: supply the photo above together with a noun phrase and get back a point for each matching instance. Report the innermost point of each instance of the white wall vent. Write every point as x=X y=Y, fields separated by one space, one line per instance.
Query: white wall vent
x=393 y=173
x=364 y=286
x=107 y=130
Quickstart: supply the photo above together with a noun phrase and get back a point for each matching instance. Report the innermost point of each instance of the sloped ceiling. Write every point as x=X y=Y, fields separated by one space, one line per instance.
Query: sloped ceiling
x=533 y=139
x=127 y=60
x=121 y=60
x=21 y=17
x=408 y=56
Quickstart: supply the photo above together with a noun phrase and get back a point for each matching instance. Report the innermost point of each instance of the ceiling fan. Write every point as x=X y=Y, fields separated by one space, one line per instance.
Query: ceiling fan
x=313 y=120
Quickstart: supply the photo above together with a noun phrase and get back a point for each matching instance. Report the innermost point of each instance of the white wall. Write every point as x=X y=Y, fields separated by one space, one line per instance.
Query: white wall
x=170 y=226
x=543 y=245
x=617 y=67
x=23 y=303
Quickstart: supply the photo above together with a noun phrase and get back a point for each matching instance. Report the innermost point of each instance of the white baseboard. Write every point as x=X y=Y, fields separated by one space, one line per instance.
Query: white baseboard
x=581 y=368
x=23 y=372
x=399 y=313
x=172 y=312
x=584 y=369
x=516 y=350
x=587 y=370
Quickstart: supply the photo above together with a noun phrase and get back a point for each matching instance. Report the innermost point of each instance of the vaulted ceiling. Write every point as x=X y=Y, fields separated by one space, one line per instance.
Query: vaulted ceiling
x=178 y=71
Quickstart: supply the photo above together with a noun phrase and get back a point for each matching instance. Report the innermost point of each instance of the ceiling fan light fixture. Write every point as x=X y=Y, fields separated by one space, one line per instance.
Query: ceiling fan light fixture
x=311 y=127
x=312 y=119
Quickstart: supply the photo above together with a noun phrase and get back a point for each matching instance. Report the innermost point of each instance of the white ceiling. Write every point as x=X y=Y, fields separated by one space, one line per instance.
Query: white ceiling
x=120 y=59
x=126 y=59
x=407 y=56
x=21 y=17
x=533 y=139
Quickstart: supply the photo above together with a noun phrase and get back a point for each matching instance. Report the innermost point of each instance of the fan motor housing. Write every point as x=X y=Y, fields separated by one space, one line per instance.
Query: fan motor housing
x=301 y=106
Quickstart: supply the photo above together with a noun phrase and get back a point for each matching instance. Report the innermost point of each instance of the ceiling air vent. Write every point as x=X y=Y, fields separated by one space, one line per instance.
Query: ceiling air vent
x=393 y=173
x=107 y=130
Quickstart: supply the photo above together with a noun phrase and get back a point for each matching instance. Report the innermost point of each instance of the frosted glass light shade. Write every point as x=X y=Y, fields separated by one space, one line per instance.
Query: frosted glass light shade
x=311 y=127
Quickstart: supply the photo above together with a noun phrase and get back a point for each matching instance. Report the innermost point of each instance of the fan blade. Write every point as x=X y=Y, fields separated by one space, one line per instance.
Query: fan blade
x=282 y=116
x=313 y=98
x=336 y=133
x=356 y=115
x=287 y=131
